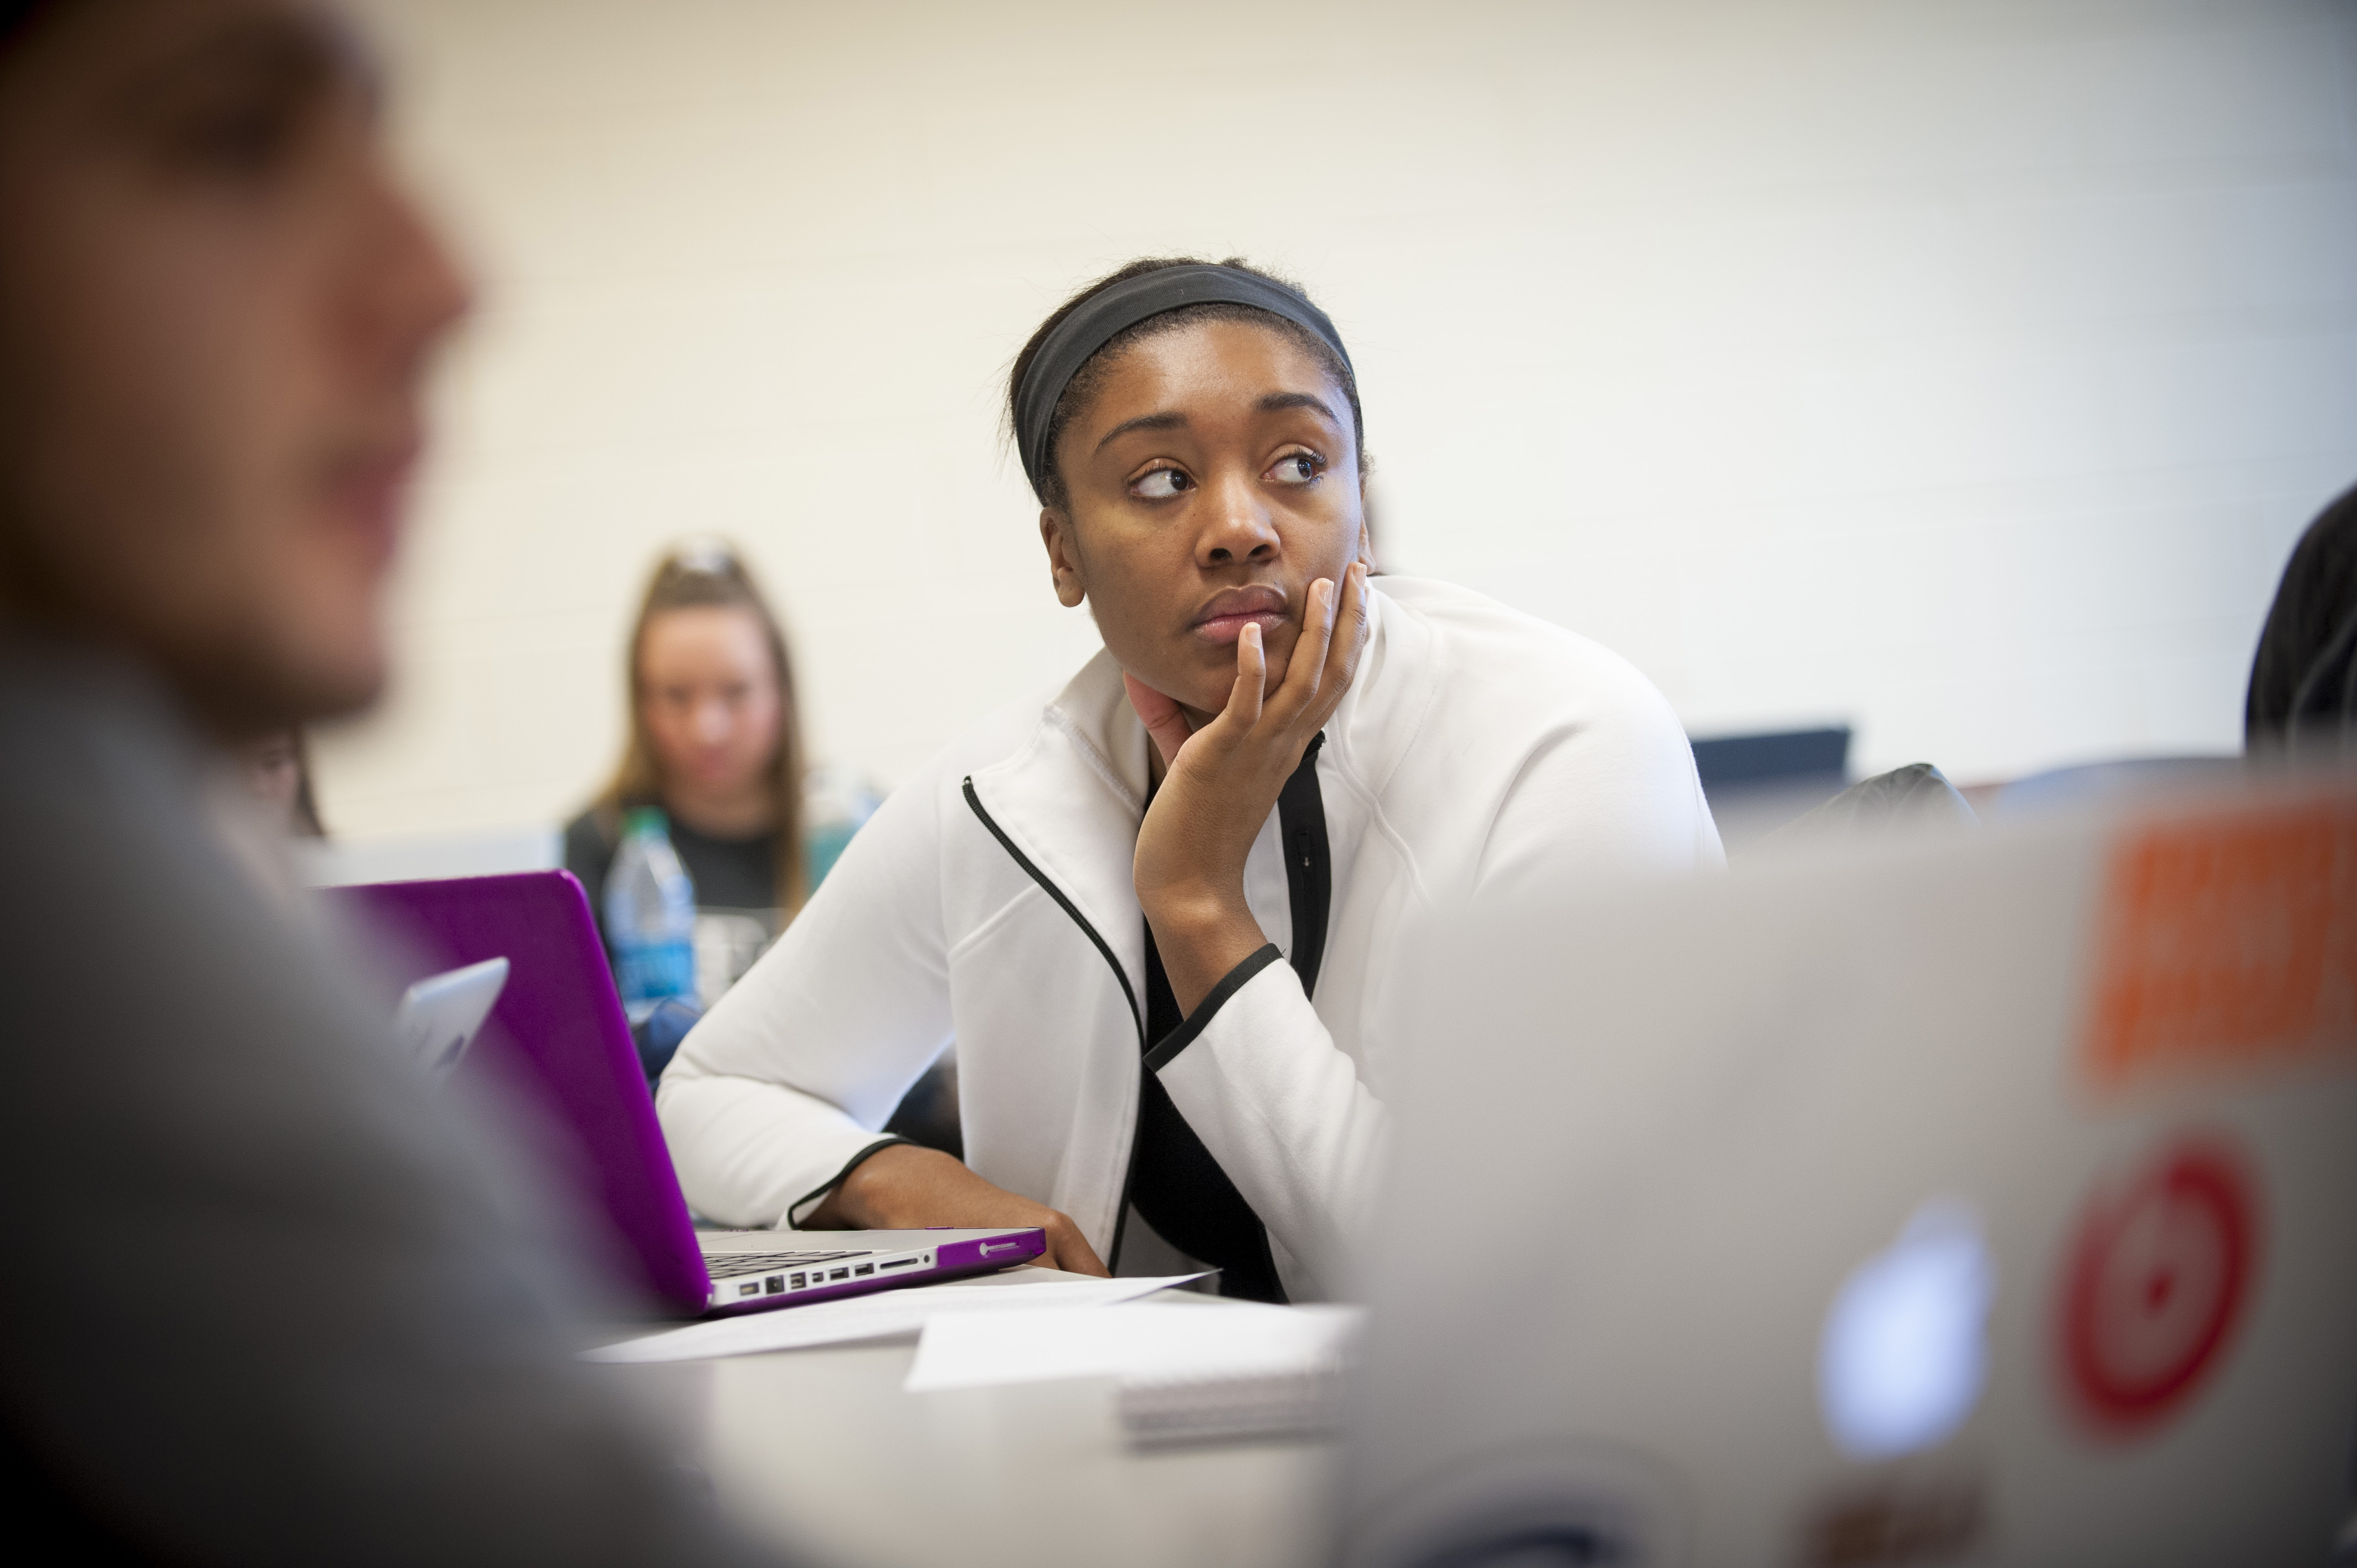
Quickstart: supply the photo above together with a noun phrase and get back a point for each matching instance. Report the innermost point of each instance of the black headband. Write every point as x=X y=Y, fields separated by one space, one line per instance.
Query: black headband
x=1108 y=312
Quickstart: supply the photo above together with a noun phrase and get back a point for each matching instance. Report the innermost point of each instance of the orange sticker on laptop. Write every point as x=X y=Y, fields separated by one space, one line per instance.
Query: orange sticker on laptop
x=2227 y=942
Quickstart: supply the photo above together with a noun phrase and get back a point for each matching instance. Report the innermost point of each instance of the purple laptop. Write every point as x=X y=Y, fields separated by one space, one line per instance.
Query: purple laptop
x=558 y=1036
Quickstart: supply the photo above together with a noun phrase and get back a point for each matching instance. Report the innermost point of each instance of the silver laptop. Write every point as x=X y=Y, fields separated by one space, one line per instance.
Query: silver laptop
x=1990 y=1200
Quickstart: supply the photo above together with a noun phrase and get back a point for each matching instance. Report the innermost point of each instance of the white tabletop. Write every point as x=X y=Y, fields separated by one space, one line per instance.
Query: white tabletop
x=821 y=1449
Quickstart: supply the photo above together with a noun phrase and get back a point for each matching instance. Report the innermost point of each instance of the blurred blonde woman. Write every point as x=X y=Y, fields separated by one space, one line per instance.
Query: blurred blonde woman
x=713 y=741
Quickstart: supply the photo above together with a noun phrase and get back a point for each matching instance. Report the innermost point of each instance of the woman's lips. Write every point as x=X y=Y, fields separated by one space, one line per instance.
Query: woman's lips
x=1227 y=628
x=1224 y=618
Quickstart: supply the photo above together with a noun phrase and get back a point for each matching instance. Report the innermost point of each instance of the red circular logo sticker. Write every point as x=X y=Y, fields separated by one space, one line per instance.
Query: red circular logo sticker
x=2158 y=1275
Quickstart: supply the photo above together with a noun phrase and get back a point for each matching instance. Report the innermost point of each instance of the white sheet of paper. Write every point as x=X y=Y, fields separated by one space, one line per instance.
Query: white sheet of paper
x=884 y=1315
x=1138 y=1345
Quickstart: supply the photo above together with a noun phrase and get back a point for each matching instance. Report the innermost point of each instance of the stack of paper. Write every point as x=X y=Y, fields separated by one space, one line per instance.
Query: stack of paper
x=1185 y=1372
x=884 y=1315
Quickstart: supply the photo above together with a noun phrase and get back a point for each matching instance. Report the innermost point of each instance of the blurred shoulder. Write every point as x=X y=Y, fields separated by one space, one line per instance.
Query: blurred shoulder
x=588 y=834
x=95 y=762
x=589 y=844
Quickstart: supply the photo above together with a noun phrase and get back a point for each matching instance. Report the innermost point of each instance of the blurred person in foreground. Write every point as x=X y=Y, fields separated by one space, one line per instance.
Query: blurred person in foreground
x=266 y=1300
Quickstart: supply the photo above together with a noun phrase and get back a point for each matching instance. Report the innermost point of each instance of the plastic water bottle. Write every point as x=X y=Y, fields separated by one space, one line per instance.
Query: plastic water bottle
x=650 y=917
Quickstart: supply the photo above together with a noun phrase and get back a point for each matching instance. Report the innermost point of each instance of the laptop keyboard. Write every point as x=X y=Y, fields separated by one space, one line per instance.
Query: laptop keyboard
x=728 y=1265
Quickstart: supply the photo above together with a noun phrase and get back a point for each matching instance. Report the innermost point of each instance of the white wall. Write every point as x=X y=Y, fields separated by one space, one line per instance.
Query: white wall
x=1961 y=368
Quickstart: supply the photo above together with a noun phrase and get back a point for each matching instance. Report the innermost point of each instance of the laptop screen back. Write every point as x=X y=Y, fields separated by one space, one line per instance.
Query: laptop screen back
x=1990 y=1199
x=558 y=1036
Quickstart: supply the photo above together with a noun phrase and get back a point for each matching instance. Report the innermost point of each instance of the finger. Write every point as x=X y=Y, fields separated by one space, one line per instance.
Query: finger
x=1306 y=673
x=1350 y=638
x=1348 y=642
x=1160 y=716
x=1252 y=678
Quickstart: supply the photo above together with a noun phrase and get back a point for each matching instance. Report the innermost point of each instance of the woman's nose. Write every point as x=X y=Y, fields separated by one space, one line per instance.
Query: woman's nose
x=1237 y=525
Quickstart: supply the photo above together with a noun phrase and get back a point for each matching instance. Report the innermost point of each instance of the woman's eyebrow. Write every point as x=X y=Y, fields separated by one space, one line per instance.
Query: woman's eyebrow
x=1277 y=401
x=1170 y=421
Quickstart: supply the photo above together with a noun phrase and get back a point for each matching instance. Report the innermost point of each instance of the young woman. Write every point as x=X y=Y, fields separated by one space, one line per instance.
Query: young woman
x=1155 y=912
x=714 y=743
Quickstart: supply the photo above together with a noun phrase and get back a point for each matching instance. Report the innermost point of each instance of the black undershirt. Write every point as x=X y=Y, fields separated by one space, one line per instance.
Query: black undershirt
x=737 y=877
x=1177 y=1186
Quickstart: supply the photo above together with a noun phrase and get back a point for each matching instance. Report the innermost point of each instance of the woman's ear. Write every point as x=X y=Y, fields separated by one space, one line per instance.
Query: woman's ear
x=1064 y=558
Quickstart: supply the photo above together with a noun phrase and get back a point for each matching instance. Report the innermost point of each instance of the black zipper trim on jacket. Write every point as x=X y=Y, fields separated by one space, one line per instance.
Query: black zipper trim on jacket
x=1309 y=863
x=1040 y=876
x=849 y=1165
x=1195 y=1023
x=1128 y=991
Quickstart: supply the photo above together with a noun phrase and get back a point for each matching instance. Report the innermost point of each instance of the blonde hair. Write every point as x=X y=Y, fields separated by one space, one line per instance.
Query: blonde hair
x=692 y=577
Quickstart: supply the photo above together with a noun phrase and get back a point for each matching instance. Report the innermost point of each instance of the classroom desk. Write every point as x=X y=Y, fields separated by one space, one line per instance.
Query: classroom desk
x=822 y=1450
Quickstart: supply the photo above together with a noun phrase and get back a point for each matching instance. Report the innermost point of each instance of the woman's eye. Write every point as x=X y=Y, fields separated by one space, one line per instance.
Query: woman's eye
x=1160 y=484
x=1298 y=468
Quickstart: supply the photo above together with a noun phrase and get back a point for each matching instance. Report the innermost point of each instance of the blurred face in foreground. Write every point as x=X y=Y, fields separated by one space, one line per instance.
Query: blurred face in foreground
x=216 y=311
x=708 y=696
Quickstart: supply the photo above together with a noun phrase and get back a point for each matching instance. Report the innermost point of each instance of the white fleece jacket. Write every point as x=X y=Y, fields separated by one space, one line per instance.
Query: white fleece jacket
x=989 y=902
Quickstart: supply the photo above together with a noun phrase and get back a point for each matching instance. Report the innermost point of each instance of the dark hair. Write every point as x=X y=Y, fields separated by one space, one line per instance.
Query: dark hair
x=305 y=813
x=695 y=577
x=2303 y=691
x=15 y=14
x=1082 y=388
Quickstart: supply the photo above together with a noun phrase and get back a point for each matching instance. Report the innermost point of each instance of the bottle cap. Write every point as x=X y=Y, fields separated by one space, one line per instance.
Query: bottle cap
x=646 y=820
